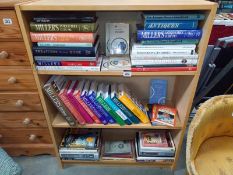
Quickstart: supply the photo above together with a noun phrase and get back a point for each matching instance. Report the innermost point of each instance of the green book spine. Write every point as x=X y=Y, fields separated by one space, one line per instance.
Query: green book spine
x=110 y=111
x=63 y=27
x=167 y=42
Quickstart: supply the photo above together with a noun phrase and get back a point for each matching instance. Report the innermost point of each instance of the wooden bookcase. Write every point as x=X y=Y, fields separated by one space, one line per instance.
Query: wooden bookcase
x=181 y=85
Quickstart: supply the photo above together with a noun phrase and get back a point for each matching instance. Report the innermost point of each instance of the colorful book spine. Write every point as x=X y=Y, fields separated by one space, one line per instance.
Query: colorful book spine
x=157 y=62
x=60 y=44
x=69 y=105
x=172 y=57
x=63 y=58
x=173 y=16
x=187 y=25
x=77 y=96
x=84 y=97
x=48 y=63
x=163 y=47
x=168 y=34
x=63 y=37
x=170 y=41
x=132 y=105
x=53 y=96
x=63 y=27
x=78 y=63
x=76 y=104
x=121 y=106
x=69 y=68
x=64 y=51
x=163 y=69
x=155 y=52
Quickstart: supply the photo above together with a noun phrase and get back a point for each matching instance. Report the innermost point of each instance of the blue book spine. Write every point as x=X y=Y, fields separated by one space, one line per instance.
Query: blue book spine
x=125 y=110
x=47 y=63
x=151 y=25
x=102 y=111
x=64 y=51
x=94 y=109
x=168 y=34
x=118 y=111
x=151 y=16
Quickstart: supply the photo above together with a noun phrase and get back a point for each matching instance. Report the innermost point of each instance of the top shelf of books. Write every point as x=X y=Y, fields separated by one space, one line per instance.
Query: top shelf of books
x=112 y=5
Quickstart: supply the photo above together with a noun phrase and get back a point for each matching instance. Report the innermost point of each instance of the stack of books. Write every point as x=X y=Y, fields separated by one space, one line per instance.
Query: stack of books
x=118 y=150
x=65 y=41
x=80 y=145
x=166 y=42
x=88 y=102
x=154 y=146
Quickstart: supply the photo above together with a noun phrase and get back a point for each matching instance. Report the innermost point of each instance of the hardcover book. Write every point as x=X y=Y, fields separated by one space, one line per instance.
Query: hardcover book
x=163 y=69
x=153 y=139
x=65 y=58
x=169 y=41
x=158 y=91
x=117 y=147
x=63 y=44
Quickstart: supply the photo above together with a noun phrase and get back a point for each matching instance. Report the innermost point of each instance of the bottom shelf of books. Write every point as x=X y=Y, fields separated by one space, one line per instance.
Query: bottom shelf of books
x=104 y=146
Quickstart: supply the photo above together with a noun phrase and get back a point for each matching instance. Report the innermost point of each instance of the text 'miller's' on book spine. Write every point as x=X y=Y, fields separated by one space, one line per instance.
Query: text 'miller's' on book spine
x=53 y=96
x=76 y=104
x=68 y=104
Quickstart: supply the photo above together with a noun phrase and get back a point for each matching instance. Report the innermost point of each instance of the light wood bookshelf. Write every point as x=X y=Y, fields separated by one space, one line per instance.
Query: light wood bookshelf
x=181 y=85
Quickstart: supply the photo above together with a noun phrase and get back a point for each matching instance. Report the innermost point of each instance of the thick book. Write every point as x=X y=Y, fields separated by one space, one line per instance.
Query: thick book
x=65 y=51
x=64 y=58
x=63 y=37
x=142 y=47
x=168 y=51
x=63 y=44
x=47 y=63
x=168 y=34
x=165 y=56
x=121 y=106
x=106 y=106
x=77 y=95
x=92 y=94
x=169 y=41
x=52 y=94
x=80 y=156
x=168 y=62
x=134 y=105
x=76 y=104
x=168 y=25
x=63 y=27
x=78 y=63
x=68 y=104
x=163 y=69
x=90 y=103
x=148 y=16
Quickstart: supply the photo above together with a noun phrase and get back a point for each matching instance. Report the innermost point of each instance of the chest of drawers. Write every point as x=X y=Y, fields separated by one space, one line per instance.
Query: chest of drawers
x=23 y=127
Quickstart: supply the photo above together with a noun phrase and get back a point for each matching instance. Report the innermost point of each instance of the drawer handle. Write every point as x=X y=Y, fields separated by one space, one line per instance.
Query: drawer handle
x=19 y=103
x=12 y=80
x=3 y=55
x=26 y=121
x=32 y=137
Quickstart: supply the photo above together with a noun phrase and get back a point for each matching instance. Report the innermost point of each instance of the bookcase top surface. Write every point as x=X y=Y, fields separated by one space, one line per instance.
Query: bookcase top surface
x=114 y=5
x=10 y=3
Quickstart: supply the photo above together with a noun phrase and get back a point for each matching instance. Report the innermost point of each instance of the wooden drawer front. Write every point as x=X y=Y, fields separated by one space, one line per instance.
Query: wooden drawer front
x=22 y=120
x=16 y=80
x=27 y=136
x=9 y=27
x=13 y=54
x=29 y=101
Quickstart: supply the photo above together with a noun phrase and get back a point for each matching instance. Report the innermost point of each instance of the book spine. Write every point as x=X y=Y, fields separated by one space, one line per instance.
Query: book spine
x=118 y=111
x=110 y=111
x=69 y=68
x=64 y=51
x=126 y=111
x=152 y=25
x=65 y=27
x=94 y=109
x=149 y=17
x=63 y=58
x=88 y=110
x=72 y=109
x=131 y=106
x=162 y=69
x=163 y=61
x=101 y=109
x=168 y=34
x=157 y=154
x=82 y=111
x=170 y=41
x=47 y=63
x=146 y=57
x=80 y=156
x=78 y=63
x=163 y=47
x=63 y=37
x=54 y=44
x=162 y=52
x=59 y=105
x=63 y=20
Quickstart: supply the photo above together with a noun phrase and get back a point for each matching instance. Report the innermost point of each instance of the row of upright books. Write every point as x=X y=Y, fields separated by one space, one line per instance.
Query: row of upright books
x=88 y=102
x=88 y=145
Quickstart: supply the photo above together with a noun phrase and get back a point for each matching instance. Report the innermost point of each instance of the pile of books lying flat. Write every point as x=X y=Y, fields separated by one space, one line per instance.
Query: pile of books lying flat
x=166 y=42
x=80 y=145
x=149 y=146
x=65 y=41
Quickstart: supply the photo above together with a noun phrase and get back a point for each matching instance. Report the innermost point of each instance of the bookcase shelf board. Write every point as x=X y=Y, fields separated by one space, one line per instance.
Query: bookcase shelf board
x=181 y=85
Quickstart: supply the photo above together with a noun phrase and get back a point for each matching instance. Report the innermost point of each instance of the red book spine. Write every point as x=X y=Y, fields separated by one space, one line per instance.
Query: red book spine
x=162 y=69
x=63 y=37
x=78 y=63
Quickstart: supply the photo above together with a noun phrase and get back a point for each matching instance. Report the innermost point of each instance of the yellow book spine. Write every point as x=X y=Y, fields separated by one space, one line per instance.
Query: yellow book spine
x=134 y=108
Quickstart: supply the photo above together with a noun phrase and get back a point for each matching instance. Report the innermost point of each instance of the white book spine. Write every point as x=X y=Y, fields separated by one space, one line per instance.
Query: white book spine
x=152 y=52
x=163 y=61
x=164 y=47
x=146 y=57
x=69 y=68
x=59 y=58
